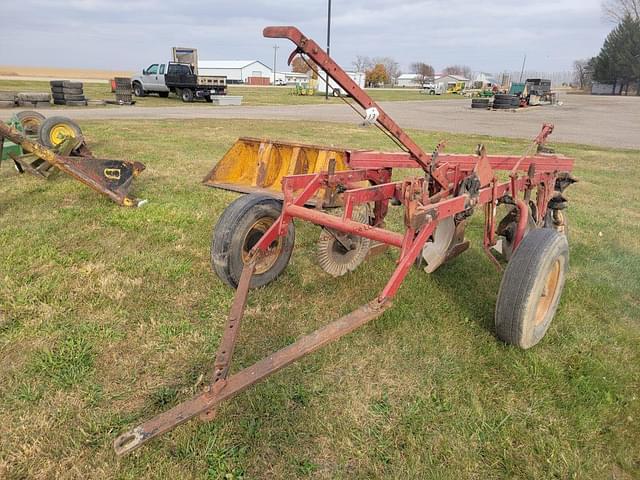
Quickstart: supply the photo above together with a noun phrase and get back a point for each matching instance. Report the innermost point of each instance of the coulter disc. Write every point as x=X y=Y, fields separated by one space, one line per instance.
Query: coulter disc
x=340 y=253
x=435 y=252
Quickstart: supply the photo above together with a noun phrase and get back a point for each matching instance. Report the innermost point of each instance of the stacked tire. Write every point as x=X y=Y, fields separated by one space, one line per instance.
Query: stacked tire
x=68 y=93
x=34 y=99
x=482 y=103
x=8 y=99
x=123 y=90
x=506 y=102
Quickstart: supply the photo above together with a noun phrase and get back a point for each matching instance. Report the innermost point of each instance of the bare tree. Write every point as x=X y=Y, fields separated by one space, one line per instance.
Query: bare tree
x=362 y=63
x=461 y=70
x=424 y=71
x=616 y=10
x=582 y=72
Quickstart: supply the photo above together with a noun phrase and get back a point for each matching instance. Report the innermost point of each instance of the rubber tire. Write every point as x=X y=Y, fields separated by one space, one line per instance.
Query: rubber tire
x=27 y=117
x=76 y=103
x=73 y=91
x=208 y=99
x=163 y=94
x=138 y=91
x=49 y=123
x=57 y=101
x=34 y=96
x=230 y=231
x=74 y=97
x=187 y=95
x=70 y=84
x=522 y=284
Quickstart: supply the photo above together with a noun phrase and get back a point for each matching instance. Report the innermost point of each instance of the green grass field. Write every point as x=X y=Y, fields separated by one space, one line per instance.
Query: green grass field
x=111 y=315
x=251 y=95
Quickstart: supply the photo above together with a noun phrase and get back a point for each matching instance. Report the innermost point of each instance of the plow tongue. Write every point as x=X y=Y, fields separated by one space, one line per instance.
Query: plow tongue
x=214 y=395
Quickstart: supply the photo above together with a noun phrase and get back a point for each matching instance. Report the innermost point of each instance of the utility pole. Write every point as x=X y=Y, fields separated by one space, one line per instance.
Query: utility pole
x=326 y=86
x=524 y=62
x=275 y=56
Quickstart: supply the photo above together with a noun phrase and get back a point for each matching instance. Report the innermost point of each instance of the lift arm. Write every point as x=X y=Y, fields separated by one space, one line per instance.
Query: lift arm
x=314 y=52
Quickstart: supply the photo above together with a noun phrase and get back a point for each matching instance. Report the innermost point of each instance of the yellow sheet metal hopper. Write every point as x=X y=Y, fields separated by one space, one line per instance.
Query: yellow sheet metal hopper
x=258 y=165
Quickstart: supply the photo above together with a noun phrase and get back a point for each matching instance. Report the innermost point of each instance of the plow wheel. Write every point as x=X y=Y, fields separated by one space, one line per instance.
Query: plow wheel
x=54 y=131
x=340 y=253
x=30 y=121
x=531 y=288
x=239 y=228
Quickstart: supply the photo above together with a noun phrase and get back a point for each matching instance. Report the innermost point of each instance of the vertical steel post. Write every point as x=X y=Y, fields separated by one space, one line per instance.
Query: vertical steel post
x=275 y=53
x=326 y=78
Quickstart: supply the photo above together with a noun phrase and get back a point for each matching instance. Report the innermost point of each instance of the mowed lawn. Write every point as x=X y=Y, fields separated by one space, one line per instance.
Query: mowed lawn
x=109 y=316
x=251 y=95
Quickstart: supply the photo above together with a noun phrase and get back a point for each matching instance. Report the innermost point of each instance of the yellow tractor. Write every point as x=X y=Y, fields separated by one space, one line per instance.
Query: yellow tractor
x=456 y=88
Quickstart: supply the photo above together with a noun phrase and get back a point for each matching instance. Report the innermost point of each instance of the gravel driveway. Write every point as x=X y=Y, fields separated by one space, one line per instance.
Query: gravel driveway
x=583 y=119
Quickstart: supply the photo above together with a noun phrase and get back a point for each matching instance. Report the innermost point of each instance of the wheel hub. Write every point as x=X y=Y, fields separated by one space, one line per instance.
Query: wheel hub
x=253 y=236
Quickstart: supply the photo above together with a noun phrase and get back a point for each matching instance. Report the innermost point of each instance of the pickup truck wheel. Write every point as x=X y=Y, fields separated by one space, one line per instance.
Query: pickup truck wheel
x=163 y=94
x=138 y=91
x=187 y=95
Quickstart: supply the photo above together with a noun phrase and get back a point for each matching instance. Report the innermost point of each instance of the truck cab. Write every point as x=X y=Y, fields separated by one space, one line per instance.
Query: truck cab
x=152 y=80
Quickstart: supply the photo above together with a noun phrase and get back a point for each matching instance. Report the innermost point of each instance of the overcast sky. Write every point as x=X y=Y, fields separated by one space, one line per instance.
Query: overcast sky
x=490 y=35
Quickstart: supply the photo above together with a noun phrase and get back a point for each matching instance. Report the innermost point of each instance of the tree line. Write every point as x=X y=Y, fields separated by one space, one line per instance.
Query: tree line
x=618 y=63
x=384 y=70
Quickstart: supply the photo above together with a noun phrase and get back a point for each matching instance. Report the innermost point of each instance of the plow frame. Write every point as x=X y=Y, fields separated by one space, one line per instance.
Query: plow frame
x=422 y=213
x=449 y=187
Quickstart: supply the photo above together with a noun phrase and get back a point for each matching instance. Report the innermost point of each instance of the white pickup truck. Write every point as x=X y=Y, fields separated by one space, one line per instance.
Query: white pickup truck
x=180 y=77
x=151 y=81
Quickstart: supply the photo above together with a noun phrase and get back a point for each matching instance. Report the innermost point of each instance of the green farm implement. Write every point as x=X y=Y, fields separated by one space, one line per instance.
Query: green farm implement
x=41 y=146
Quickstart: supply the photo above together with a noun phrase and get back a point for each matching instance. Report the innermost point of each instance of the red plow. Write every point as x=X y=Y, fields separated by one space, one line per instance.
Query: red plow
x=254 y=237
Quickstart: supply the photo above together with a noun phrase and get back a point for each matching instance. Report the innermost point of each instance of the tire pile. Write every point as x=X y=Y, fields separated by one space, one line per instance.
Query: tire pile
x=8 y=99
x=506 y=102
x=123 y=91
x=26 y=99
x=68 y=93
x=480 y=103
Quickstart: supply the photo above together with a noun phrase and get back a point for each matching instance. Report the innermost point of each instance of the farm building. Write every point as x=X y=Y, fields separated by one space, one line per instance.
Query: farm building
x=238 y=71
x=602 y=89
x=446 y=81
x=292 y=78
x=409 y=80
x=484 y=80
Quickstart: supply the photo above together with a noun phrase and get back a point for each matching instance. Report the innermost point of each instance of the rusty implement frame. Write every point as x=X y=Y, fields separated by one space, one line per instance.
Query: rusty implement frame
x=448 y=189
x=111 y=178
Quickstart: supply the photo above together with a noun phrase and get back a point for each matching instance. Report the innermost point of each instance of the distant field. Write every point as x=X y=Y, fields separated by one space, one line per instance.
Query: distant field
x=251 y=95
x=68 y=73
x=109 y=316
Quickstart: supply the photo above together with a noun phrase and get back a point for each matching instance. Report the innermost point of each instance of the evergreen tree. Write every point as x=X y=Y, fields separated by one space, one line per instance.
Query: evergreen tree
x=619 y=59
